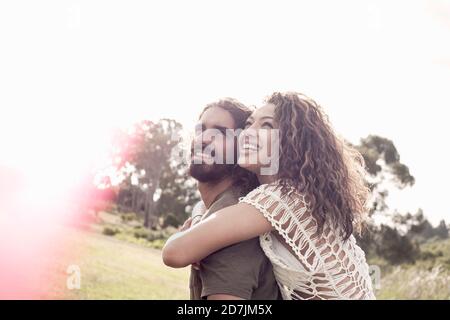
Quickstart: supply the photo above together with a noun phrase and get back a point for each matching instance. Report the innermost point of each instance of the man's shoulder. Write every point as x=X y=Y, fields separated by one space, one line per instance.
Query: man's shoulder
x=226 y=199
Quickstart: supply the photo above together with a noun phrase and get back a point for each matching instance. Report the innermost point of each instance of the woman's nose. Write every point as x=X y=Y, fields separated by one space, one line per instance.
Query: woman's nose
x=248 y=135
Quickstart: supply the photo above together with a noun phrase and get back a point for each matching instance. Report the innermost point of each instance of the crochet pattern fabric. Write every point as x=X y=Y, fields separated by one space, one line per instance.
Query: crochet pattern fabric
x=327 y=267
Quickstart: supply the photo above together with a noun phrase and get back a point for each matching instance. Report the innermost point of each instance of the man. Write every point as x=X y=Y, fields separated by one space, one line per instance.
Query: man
x=240 y=271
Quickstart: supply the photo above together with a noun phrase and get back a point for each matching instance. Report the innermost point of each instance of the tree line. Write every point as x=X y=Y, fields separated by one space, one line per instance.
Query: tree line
x=154 y=184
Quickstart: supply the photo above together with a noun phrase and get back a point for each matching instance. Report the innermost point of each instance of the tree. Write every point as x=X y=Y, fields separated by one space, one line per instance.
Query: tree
x=141 y=155
x=178 y=193
x=441 y=230
x=382 y=160
x=421 y=229
x=393 y=247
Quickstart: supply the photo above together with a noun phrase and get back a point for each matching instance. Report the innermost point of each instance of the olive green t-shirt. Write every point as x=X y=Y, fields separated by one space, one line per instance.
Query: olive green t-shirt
x=241 y=270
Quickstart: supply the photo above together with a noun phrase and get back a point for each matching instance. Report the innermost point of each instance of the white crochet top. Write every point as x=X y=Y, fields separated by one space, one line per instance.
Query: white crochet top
x=323 y=267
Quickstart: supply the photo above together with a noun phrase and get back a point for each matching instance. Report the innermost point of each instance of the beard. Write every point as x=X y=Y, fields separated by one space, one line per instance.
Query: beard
x=210 y=172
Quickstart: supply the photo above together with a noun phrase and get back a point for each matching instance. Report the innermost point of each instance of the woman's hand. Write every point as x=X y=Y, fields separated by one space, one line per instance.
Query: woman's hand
x=186 y=225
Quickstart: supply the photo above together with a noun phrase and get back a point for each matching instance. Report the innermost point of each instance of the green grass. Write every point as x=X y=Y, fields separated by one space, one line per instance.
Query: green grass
x=131 y=230
x=415 y=283
x=428 y=278
x=114 y=269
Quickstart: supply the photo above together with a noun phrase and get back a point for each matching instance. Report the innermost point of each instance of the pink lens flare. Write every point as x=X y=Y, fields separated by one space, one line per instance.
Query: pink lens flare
x=35 y=245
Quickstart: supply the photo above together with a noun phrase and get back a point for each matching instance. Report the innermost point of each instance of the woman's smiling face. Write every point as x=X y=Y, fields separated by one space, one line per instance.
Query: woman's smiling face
x=257 y=142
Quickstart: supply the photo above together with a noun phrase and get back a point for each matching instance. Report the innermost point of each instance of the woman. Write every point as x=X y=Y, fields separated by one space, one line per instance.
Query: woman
x=305 y=213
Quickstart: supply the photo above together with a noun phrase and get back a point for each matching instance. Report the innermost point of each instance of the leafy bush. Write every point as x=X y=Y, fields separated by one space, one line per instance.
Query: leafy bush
x=127 y=217
x=110 y=231
x=172 y=221
x=157 y=244
x=141 y=232
x=394 y=247
x=152 y=235
x=435 y=253
x=157 y=235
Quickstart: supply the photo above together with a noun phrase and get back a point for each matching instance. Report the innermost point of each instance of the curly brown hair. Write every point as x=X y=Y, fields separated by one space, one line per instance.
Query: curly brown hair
x=319 y=164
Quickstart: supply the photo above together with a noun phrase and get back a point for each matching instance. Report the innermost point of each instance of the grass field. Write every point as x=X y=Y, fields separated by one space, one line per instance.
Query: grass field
x=114 y=269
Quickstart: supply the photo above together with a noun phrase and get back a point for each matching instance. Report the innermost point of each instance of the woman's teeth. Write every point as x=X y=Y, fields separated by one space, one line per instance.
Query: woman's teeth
x=203 y=156
x=250 y=147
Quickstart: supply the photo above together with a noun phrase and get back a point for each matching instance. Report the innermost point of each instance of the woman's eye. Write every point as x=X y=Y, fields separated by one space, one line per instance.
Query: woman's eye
x=223 y=131
x=267 y=125
x=247 y=125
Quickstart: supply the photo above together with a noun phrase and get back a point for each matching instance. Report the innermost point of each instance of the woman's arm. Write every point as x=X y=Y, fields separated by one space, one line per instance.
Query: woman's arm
x=228 y=226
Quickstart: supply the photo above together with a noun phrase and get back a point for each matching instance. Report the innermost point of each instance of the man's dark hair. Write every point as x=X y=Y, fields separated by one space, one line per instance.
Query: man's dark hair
x=238 y=111
x=245 y=180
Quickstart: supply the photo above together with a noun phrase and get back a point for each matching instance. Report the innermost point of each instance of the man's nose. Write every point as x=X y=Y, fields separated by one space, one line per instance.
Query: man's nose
x=207 y=137
x=199 y=142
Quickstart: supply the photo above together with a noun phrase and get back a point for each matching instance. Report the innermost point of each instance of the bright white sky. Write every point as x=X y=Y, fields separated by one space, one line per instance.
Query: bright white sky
x=69 y=70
